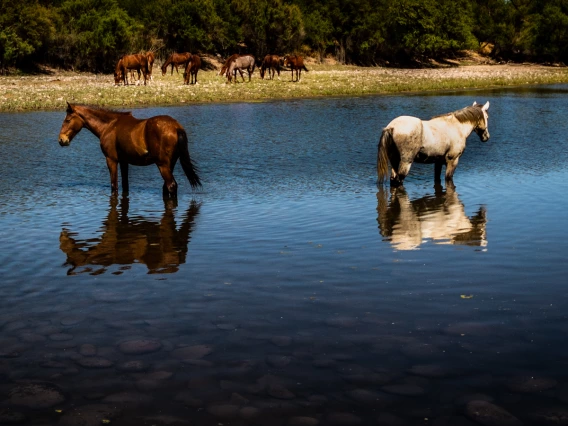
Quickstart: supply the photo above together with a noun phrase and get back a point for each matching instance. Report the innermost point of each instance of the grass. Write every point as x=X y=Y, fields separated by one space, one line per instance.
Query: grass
x=50 y=92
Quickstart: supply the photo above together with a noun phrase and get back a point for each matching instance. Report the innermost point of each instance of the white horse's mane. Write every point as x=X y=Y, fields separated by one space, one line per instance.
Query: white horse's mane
x=470 y=114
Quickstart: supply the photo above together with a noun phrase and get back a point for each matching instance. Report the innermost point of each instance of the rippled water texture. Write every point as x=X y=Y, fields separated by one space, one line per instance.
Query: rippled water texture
x=290 y=290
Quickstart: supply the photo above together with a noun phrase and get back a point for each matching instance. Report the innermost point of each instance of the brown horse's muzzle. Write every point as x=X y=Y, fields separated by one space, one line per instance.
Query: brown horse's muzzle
x=64 y=140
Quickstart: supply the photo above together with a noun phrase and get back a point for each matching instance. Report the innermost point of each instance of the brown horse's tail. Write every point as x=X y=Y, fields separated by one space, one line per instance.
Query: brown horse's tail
x=382 y=155
x=186 y=163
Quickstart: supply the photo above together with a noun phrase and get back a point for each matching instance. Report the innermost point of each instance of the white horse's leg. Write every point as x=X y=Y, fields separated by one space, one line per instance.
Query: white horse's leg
x=403 y=169
x=451 y=168
x=438 y=170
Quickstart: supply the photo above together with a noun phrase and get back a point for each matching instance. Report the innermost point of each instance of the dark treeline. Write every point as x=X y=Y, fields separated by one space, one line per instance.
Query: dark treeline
x=91 y=34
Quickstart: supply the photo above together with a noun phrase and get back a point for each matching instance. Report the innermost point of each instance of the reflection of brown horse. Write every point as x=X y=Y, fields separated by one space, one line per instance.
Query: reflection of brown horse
x=295 y=63
x=136 y=62
x=272 y=64
x=125 y=140
x=440 y=218
x=161 y=246
x=175 y=60
x=191 y=69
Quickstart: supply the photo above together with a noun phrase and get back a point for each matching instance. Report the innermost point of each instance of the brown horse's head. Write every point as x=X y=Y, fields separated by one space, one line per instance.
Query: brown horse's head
x=72 y=125
x=118 y=76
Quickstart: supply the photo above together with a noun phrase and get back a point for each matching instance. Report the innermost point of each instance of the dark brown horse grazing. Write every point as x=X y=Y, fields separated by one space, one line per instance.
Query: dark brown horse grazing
x=295 y=63
x=125 y=140
x=136 y=62
x=272 y=63
x=175 y=60
x=151 y=58
x=192 y=69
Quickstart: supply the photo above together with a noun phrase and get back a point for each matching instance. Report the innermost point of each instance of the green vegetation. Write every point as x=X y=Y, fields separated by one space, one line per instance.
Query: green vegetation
x=49 y=92
x=90 y=35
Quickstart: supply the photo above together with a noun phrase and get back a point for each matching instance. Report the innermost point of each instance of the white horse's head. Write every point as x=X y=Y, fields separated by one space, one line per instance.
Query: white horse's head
x=482 y=126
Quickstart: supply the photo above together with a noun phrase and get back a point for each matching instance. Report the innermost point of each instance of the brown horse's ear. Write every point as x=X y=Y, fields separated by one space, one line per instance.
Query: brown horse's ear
x=69 y=108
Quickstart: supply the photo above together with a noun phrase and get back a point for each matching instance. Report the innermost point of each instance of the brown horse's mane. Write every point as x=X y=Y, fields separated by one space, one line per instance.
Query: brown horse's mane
x=103 y=110
x=470 y=114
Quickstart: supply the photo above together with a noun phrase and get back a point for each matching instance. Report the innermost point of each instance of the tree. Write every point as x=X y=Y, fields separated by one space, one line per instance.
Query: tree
x=24 y=28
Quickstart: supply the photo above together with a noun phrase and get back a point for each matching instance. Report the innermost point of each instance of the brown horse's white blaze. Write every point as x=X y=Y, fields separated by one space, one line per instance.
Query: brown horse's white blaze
x=440 y=140
x=125 y=140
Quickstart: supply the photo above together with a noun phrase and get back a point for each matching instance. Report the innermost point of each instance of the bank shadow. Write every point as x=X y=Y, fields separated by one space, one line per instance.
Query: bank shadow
x=439 y=218
x=160 y=245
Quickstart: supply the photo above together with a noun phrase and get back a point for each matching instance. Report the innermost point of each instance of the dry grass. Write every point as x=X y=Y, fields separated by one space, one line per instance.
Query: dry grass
x=50 y=92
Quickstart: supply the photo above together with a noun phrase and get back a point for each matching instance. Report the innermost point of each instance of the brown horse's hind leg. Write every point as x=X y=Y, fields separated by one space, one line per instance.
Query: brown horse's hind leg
x=170 y=184
x=113 y=170
x=124 y=176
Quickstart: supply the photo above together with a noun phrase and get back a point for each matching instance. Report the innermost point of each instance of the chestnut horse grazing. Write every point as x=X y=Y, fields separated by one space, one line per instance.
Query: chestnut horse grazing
x=150 y=58
x=295 y=63
x=440 y=140
x=175 y=60
x=192 y=69
x=125 y=140
x=272 y=63
x=136 y=62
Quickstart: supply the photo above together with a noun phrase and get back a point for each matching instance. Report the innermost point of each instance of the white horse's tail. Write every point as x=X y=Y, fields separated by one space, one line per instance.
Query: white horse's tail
x=382 y=154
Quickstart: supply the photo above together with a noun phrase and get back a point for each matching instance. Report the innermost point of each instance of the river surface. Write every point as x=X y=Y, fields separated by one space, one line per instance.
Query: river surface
x=290 y=290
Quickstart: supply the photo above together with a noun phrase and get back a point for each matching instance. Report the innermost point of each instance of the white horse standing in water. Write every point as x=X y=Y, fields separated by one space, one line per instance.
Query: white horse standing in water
x=440 y=140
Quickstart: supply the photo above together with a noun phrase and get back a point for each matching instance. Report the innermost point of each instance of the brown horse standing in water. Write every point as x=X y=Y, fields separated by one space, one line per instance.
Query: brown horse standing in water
x=125 y=140
x=136 y=62
x=191 y=69
x=175 y=60
x=295 y=63
x=272 y=63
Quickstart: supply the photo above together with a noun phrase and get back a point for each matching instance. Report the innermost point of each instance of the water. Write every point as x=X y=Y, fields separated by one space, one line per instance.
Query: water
x=290 y=286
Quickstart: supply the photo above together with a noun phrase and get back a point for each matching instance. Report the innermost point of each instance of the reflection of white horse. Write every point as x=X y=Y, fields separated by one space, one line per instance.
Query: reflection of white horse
x=440 y=218
x=440 y=140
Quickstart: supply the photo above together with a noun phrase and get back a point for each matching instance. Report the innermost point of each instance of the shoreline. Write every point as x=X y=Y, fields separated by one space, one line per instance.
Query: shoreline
x=50 y=92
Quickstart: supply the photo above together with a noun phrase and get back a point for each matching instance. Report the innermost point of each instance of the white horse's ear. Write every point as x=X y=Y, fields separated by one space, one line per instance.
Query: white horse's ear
x=486 y=106
x=474 y=103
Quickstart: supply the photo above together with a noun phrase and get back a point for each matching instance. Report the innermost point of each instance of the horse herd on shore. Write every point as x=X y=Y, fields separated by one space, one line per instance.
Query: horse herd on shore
x=143 y=64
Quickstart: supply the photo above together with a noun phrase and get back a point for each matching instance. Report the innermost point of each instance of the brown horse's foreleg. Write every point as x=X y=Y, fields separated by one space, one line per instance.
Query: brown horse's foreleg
x=170 y=184
x=124 y=176
x=113 y=170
